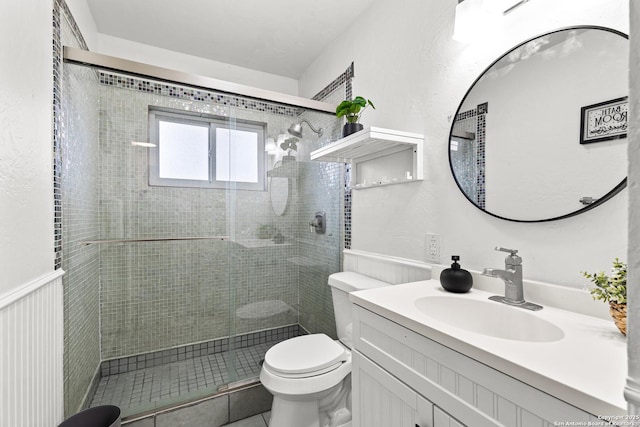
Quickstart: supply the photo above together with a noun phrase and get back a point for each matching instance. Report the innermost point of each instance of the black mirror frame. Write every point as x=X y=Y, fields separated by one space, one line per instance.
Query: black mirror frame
x=618 y=188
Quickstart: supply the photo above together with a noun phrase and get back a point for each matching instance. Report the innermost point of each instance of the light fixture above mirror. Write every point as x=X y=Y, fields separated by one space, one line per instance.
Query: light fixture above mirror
x=475 y=17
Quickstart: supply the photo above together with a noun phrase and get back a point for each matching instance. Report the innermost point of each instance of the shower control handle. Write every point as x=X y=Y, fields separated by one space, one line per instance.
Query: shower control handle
x=318 y=223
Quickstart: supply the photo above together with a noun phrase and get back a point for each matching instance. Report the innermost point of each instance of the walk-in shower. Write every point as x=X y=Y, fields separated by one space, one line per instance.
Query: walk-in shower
x=175 y=288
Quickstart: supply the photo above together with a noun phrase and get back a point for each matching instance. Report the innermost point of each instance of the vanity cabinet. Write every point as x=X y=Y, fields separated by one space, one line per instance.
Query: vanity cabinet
x=384 y=401
x=401 y=378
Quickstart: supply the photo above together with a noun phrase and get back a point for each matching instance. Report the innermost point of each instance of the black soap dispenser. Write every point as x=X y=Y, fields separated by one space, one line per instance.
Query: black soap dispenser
x=456 y=279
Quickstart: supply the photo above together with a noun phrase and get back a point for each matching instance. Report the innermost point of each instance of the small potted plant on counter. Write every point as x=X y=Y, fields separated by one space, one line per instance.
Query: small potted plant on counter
x=612 y=289
x=352 y=109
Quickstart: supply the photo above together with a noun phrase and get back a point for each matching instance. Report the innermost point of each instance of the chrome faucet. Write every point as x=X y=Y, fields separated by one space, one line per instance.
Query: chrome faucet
x=512 y=277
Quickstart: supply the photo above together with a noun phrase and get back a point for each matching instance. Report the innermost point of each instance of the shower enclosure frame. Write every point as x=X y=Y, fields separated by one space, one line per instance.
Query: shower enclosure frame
x=84 y=57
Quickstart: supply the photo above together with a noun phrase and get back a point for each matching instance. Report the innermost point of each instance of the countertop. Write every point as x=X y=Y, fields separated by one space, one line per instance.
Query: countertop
x=586 y=368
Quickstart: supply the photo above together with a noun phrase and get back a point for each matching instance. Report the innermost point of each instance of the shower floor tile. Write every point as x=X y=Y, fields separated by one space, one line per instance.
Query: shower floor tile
x=143 y=388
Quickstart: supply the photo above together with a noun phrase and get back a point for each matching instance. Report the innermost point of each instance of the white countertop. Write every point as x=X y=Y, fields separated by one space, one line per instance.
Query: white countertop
x=586 y=368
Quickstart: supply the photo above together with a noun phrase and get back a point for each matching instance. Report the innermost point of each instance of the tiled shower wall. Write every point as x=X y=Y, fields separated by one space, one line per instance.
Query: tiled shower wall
x=321 y=188
x=78 y=160
x=160 y=295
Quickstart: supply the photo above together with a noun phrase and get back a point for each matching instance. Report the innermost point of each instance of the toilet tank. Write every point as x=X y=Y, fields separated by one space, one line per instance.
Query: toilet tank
x=341 y=285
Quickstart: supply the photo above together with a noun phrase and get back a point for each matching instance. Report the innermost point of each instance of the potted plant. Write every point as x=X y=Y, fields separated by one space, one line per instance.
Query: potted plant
x=289 y=145
x=612 y=289
x=351 y=109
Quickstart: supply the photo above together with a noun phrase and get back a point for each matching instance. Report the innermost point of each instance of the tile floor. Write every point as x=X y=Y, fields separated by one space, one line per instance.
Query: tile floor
x=260 y=420
x=143 y=389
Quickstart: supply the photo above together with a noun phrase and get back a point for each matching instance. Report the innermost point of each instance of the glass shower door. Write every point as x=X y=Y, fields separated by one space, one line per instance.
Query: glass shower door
x=263 y=282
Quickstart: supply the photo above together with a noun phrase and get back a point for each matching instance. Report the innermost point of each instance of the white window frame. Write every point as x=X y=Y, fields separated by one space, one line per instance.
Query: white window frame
x=213 y=123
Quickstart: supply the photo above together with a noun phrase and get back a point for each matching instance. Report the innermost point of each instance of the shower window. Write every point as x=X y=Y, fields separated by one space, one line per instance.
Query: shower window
x=205 y=151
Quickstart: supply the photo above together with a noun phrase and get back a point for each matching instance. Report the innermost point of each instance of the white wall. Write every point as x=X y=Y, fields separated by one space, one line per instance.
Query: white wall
x=114 y=46
x=82 y=15
x=633 y=336
x=26 y=177
x=31 y=331
x=408 y=64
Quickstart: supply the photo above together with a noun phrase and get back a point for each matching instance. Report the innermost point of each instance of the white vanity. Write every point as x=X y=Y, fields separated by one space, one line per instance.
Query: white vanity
x=424 y=357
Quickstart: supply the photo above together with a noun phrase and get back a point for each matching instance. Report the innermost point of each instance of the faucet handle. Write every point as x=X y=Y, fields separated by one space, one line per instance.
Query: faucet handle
x=511 y=251
x=512 y=260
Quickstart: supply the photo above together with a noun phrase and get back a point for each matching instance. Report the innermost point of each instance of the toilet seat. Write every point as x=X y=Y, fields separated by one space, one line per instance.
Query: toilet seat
x=305 y=356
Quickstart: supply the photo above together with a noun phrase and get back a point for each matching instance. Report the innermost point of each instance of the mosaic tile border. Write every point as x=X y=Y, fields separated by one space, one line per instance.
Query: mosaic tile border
x=161 y=357
x=481 y=159
x=191 y=94
x=60 y=11
x=480 y=113
x=344 y=78
x=347 y=207
x=466 y=114
x=57 y=120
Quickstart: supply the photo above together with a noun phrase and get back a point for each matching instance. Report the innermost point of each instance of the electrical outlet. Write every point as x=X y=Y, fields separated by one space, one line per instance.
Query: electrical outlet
x=432 y=244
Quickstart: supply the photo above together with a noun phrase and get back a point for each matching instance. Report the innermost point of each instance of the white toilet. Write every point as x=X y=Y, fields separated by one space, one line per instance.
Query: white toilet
x=310 y=375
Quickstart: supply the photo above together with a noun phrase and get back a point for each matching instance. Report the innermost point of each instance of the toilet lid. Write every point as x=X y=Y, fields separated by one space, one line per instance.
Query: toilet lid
x=305 y=356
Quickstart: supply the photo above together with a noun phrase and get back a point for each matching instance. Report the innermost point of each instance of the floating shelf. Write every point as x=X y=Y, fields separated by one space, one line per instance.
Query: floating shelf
x=379 y=156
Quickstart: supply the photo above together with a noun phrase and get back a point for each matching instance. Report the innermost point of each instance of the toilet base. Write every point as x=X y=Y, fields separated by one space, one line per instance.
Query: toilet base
x=331 y=408
x=283 y=411
x=305 y=414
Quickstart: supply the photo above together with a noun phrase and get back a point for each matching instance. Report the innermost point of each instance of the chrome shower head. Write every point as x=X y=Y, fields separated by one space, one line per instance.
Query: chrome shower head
x=296 y=129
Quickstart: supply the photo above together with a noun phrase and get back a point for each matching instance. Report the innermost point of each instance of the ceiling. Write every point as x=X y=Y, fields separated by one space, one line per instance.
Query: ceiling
x=281 y=37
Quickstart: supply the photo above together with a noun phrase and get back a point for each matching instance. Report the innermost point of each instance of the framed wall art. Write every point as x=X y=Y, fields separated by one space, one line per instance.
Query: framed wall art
x=604 y=121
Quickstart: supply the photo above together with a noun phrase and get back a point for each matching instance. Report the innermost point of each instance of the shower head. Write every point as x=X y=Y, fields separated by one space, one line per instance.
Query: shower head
x=296 y=129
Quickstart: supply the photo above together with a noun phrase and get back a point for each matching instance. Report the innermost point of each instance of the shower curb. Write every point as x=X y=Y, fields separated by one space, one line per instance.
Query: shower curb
x=249 y=386
x=147 y=360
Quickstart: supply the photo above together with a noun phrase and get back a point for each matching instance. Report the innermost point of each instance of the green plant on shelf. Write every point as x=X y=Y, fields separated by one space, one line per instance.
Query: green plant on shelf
x=352 y=109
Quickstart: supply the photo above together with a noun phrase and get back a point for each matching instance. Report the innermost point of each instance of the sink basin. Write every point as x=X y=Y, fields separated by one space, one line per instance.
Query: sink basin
x=489 y=318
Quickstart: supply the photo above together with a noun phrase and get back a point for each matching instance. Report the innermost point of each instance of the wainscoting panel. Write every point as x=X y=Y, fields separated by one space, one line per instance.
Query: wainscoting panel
x=386 y=268
x=31 y=354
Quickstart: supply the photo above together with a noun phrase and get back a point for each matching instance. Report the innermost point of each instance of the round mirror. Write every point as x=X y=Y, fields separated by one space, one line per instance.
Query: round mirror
x=279 y=193
x=541 y=134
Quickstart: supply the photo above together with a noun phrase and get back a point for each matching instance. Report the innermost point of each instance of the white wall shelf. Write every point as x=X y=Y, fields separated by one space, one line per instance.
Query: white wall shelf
x=379 y=156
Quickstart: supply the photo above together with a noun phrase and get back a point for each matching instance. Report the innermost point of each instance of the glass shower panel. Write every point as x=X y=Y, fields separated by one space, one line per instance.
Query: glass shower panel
x=79 y=154
x=164 y=303
x=194 y=284
x=320 y=188
x=279 y=267
x=264 y=282
x=464 y=163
